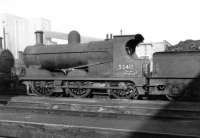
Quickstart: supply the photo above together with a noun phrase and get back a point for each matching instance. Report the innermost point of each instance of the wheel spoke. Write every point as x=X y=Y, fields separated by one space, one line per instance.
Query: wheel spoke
x=78 y=92
x=39 y=88
x=130 y=92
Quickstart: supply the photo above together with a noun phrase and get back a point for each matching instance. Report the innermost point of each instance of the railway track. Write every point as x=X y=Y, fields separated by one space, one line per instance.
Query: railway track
x=44 y=130
x=103 y=107
x=98 y=118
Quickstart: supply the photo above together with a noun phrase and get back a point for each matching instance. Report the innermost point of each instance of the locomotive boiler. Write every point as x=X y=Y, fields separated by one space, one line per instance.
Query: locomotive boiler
x=108 y=67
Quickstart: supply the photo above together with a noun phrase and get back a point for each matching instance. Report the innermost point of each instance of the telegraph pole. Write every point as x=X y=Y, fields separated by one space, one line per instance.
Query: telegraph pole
x=4 y=35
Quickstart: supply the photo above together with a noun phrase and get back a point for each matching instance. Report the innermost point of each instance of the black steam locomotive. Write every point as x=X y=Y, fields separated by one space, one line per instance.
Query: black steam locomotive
x=108 y=67
x=6 y=67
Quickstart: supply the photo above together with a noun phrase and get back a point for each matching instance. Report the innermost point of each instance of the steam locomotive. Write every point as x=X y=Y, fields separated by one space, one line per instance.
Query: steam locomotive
x=110 y=67
x=6 y=66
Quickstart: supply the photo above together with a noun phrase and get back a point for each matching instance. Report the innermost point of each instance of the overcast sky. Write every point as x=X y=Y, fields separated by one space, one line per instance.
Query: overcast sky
x=157 y=20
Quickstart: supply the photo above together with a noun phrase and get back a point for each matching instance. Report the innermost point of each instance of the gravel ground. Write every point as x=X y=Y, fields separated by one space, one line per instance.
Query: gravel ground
x=188 y=127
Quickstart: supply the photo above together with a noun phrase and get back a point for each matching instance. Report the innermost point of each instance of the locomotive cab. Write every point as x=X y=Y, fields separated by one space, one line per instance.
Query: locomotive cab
x=126 y=63
x=125 y=60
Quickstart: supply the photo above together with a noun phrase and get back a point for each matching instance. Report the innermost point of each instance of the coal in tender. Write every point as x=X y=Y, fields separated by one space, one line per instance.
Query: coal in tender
x=187 y=45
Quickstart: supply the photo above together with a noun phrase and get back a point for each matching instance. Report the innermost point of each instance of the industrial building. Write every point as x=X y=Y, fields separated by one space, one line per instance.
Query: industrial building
x=147 y=49
x=19 y=32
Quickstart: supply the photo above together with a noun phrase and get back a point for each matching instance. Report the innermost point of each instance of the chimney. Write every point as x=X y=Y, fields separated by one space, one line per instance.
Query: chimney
x=39 y=37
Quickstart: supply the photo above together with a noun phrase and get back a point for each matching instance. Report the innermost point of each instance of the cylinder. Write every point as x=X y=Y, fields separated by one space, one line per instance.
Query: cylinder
x=1 y=43
x=39 y=37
